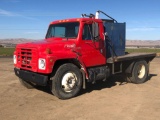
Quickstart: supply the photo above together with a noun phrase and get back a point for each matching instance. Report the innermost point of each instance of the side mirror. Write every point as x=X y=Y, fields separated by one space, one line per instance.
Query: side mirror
x=95 y=30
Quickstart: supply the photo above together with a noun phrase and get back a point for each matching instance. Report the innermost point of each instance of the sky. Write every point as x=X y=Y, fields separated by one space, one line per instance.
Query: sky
x=30 y=18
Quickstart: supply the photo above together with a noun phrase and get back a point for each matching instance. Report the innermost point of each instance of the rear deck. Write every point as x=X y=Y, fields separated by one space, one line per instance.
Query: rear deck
x=130 y=56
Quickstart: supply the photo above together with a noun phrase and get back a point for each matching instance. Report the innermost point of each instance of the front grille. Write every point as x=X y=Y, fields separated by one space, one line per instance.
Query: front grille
x=27 y=58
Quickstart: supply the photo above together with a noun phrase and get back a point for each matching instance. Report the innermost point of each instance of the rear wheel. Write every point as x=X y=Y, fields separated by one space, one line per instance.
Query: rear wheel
x=26 y=84
x=139 y=73
x=67 y=81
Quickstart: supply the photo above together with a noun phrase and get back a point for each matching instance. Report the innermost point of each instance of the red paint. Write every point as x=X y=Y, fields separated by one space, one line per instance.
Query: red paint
x=89 y=53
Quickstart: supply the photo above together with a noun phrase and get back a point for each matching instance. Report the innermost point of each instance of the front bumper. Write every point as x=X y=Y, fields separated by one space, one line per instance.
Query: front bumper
x=36 y=78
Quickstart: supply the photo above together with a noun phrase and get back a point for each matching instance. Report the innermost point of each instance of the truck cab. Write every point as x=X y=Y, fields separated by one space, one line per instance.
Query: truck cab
x=79 y=39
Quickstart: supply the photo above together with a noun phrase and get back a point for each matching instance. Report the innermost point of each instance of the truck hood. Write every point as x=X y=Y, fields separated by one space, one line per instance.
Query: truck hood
x=52 y=43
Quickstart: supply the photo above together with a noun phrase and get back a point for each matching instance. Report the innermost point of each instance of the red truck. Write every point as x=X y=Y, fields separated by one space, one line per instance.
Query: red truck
x=77 y=51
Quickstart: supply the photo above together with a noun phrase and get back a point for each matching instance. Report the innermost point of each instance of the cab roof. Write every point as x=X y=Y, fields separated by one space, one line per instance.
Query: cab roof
x=75 y=20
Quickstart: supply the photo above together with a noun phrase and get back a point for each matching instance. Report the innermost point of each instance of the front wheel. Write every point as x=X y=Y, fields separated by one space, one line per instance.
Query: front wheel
x=67 y=81
x=139 y=73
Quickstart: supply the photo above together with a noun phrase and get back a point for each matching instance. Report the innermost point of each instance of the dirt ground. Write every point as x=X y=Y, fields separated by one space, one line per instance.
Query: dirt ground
x=112 y=100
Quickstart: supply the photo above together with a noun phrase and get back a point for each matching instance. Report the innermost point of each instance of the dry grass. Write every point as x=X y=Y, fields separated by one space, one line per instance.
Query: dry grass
x=6 y=51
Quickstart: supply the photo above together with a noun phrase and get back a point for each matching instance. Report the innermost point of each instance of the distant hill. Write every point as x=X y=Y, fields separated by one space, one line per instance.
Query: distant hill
x=128 y=42
x=15 y=41
x=143 y=43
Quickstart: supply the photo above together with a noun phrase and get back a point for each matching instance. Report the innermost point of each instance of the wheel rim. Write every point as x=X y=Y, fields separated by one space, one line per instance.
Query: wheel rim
x=69 y=81
x=141 y=71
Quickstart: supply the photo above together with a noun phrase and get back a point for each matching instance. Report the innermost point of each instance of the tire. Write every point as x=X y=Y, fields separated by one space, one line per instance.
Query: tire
x=26 y=84
x=139 y=73
x=67 y=81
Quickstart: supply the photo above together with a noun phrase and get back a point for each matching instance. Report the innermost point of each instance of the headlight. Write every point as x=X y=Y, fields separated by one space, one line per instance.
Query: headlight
x=14 y=59
x=42 y=64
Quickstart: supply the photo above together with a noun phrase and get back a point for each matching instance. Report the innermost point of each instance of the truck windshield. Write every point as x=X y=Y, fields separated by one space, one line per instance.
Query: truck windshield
x=64 y=30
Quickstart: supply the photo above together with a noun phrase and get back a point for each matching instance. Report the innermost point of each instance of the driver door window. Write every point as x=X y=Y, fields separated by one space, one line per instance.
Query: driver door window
x=87 y=32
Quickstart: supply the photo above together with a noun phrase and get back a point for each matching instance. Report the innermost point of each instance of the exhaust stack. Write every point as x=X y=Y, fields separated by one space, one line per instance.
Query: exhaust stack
x=97 y=15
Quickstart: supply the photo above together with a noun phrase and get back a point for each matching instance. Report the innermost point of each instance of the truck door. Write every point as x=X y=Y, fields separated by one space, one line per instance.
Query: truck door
x=91 y=49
